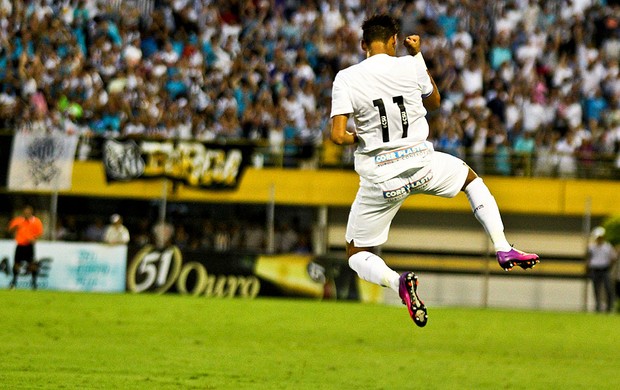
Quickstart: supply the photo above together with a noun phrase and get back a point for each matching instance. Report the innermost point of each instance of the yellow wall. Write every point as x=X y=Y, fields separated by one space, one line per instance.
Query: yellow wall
x=338 y=187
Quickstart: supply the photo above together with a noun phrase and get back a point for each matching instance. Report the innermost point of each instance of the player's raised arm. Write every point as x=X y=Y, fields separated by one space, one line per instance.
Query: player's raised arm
x=413 y=44
x=432 y=101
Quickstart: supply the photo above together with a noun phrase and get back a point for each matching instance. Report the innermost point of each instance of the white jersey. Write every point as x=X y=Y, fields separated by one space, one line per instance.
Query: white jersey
x=384 y=93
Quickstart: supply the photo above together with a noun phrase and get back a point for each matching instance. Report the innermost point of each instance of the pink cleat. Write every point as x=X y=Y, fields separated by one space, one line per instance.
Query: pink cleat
x=408 y=293
x=513 y=257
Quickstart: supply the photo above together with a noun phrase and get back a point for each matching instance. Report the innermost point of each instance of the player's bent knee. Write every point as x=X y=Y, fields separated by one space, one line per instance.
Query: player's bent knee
x=471 y=176
x=351 y=249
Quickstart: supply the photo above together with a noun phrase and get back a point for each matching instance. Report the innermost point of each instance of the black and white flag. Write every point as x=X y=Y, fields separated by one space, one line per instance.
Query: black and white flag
x=42 y=162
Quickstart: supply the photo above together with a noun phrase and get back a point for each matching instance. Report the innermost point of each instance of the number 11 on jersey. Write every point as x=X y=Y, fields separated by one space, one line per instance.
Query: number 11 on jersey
x=399 y=101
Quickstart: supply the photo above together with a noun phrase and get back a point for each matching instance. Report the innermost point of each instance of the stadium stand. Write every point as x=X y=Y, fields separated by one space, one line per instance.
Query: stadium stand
x=529 y=87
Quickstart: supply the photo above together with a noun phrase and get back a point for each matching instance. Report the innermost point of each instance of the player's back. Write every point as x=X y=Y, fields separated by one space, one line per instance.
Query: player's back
x=385 y=96
x=383 y=87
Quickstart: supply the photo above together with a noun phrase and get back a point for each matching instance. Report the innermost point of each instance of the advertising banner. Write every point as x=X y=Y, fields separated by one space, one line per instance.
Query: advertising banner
x=162 y=270
x=197 y=164
x=41 y=162
x=69 y=266
x=215 y=274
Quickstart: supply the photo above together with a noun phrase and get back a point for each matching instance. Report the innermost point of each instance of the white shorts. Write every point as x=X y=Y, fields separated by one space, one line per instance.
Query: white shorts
x=375 y=205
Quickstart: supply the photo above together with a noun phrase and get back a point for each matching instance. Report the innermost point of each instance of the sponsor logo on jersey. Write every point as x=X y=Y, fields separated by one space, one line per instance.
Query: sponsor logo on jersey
x=419 y=150
x=405 y=190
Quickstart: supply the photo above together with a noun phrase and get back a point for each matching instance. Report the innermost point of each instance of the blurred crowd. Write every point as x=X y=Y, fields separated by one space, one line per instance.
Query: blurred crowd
x=221 y=228
x=290 y=235
x=529 y=87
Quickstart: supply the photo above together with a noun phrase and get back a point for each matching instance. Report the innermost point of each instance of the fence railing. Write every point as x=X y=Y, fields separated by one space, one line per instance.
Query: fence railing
x=326 y=155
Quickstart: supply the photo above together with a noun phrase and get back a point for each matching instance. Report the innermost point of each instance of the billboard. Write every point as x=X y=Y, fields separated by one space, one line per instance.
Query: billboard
x=197 y=164
x=229 y=274
x=69 y=266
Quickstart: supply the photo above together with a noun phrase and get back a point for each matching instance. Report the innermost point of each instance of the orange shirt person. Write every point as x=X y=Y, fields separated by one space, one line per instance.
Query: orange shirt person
x=26 y=228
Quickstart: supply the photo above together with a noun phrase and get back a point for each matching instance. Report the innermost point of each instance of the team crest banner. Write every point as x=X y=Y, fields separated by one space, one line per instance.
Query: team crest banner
x=204 y=165
x=42 y=162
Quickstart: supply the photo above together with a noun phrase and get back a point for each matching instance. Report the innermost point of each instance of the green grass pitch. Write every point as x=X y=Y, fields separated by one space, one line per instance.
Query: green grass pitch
x=59 y=340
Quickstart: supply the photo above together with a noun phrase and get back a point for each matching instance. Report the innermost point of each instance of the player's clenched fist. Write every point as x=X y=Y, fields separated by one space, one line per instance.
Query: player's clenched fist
x=412 y=43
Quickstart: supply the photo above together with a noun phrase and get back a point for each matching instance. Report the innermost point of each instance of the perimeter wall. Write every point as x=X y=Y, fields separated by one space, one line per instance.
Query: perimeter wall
x=438 y=238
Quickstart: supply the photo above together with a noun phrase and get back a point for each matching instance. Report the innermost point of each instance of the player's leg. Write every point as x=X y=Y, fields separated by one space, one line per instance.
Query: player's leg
x=485 y=209
x=367 y=227
x=487 y=212
x=372 y=268
x=452 y=175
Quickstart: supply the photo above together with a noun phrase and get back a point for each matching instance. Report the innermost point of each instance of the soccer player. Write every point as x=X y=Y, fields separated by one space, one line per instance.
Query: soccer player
x=27 y=228
x=388 y=97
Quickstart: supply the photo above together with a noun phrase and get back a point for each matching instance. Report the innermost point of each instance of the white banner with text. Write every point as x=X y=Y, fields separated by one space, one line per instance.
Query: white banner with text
x=69 y=266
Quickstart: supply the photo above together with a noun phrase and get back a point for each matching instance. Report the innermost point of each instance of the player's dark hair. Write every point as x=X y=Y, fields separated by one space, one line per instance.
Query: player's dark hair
x=379 y=28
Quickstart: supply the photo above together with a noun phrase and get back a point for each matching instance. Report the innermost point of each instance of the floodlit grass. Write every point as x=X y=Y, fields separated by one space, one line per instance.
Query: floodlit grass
x=55 y=340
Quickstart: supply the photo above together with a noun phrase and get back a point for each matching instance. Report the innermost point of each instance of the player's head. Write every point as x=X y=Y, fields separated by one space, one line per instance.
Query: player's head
x=379 y=28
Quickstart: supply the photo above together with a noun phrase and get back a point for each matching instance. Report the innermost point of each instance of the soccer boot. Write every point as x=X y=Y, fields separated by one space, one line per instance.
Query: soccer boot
x=407 y=290
x=508 y=259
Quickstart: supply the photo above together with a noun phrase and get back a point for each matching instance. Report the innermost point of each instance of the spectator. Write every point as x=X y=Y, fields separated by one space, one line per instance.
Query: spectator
x=503 y=165
x=222 y=238
x=67 y=229
x=95 y=231
x=254 y=237
x=286 y=238
x=566 y=149
x=163 y=232
x=586 y=158
x=116 y=233
x=601 y=258
x=141 y=235
x=546 y=161
x=451 y=140
x=181 y=237
x=524 y=148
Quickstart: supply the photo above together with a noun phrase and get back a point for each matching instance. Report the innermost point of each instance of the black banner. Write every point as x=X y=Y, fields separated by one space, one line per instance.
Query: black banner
x=170 y=270
x=203 y=165
x=215 y=274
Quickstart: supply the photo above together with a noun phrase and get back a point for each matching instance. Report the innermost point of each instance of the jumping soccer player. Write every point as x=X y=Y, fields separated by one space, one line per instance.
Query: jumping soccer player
x=388 y=97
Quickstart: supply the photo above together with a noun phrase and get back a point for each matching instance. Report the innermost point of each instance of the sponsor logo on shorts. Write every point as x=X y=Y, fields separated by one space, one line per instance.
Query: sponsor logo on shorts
x=402 y=192
x=419 y=150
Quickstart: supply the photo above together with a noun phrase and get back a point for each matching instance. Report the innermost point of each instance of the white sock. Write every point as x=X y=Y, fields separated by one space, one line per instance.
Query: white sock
x=487 y=213
x=372 y=268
